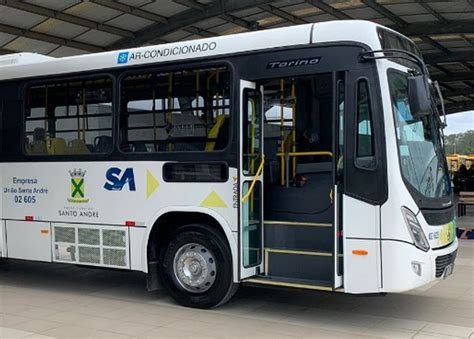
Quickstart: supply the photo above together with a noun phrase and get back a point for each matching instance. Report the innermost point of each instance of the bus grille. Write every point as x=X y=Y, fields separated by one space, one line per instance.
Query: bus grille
x=443 y=261
x=92 y=244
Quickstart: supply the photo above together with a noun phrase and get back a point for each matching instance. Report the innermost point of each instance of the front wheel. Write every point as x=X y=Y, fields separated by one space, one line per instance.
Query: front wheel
x=197 y=267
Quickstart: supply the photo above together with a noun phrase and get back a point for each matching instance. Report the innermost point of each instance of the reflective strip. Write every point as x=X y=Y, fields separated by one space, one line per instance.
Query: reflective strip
x=321 y=254
x=285 y=284
x=296 y=223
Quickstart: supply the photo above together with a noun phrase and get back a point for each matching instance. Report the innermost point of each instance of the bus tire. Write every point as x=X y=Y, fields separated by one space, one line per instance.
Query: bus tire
x=196 y=267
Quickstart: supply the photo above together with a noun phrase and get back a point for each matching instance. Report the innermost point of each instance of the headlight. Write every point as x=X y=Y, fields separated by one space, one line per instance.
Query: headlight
x=415 y=230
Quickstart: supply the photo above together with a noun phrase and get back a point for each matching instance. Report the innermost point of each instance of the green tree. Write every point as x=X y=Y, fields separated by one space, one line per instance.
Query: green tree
x=460 y=143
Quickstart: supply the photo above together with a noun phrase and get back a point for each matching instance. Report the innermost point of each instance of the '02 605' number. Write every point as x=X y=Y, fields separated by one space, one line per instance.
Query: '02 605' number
x=27 y=199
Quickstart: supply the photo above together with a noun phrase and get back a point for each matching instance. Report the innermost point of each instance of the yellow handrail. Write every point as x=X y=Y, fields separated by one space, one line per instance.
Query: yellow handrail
x=254 y=181
x=293 y=124
x=297 y=154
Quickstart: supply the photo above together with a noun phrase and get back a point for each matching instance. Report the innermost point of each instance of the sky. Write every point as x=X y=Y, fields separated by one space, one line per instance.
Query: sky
x=459 y=122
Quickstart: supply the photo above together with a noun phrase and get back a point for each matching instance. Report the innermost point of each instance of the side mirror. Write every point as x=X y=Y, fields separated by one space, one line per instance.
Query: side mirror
x=419 y=95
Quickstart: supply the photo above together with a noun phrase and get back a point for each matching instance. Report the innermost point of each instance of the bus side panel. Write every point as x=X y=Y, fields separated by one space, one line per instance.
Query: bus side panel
x=29 y=240
x=124 y=196
x=108 y=193
x=138 y=259
x=3 y=245
x=362 y=264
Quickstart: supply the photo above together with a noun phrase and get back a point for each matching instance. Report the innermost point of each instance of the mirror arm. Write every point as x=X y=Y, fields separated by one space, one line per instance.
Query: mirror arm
x=392 y=53
x=438 y=90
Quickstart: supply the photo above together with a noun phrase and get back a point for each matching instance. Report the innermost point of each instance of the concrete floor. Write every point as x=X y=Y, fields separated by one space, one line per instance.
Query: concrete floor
x=44 y=300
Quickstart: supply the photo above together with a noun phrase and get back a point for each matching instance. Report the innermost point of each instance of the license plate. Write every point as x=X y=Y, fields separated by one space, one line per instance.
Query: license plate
x=448 y=271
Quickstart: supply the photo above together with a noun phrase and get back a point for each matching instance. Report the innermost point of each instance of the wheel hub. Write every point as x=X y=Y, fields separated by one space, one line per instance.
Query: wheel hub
x=194 y=268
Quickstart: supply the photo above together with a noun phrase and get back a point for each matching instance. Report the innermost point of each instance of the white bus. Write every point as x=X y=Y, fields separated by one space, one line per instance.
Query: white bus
x=152 y=159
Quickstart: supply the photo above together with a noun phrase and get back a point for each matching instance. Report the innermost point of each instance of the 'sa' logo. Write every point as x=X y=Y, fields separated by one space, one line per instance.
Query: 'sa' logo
x=78 y=186
x=118 y=179
x=122 y=58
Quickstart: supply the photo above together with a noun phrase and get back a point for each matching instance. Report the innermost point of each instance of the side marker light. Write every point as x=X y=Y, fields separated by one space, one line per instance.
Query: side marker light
x=360 y=252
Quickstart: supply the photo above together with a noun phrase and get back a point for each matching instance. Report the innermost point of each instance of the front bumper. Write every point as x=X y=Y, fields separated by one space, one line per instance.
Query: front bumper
x=400 y=258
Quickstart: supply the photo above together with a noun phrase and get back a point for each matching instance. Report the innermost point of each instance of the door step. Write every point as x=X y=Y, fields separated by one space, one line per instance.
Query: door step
x=296 y=223
x=298 y=264
x=305 y=236
x=299 y=254
x=293 y=283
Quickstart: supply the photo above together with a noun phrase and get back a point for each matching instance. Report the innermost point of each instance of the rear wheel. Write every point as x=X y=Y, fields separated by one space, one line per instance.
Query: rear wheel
x=196 y=267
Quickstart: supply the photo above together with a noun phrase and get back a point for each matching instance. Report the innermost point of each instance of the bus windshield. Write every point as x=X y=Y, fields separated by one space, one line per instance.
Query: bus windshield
x=419 y=143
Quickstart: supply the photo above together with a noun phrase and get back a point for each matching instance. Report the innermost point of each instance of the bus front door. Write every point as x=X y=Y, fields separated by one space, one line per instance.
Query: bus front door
x=250 y=179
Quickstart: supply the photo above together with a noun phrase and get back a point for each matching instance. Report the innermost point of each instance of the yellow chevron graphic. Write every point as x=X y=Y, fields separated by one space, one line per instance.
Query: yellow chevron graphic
x=151 y=184
x=213 y=200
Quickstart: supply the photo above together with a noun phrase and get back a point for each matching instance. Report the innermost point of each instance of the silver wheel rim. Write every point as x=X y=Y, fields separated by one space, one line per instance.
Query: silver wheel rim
x=194 y=268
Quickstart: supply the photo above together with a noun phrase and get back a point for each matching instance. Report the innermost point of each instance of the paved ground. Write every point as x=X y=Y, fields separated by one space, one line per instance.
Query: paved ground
x=43 y=300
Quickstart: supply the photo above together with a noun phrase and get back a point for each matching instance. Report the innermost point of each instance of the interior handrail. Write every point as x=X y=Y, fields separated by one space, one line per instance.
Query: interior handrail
x=297 y=154
x=254 y=181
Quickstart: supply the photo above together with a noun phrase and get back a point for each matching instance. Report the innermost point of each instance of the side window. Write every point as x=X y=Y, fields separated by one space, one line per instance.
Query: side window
x=185 y=110
x=69 y=118
x=251 y=132
x=365 y=137
x=340 y=116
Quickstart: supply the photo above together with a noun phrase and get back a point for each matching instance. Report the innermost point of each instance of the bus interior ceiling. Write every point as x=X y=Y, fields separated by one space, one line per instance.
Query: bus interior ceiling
x=298 y=148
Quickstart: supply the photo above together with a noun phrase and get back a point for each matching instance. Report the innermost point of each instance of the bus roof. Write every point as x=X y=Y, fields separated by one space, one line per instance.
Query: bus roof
x=332 y=31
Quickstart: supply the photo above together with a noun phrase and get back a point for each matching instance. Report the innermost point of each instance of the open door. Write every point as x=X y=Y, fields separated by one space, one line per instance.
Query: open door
x=299 y=229
x=250 y=178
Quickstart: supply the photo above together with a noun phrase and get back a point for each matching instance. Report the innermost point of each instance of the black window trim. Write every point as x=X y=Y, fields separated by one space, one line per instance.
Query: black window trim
x=53 y=80
x=244 y=99
x=373 y=159
x=221 y=163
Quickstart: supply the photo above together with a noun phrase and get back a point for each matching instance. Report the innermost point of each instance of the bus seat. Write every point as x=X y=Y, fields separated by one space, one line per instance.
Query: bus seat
x=39 y=134
x=139 y=146
x=77 y=146
x=57 y=146
x=38 y=145
x=103 y=144
x=216 y=132
x=27 y=145
x=314 y=167
x=272 y=148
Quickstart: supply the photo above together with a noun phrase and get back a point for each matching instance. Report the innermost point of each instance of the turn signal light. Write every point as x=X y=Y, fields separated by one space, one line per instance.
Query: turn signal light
x=360 y=252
